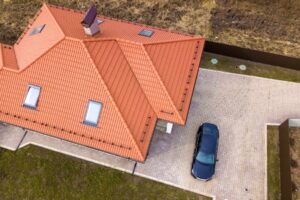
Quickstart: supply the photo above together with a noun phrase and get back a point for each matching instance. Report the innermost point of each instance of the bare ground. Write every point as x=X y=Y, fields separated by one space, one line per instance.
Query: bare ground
x=269 y=25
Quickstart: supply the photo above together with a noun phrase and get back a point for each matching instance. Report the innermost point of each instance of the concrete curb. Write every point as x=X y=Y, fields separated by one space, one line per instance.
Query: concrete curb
x=74 y=155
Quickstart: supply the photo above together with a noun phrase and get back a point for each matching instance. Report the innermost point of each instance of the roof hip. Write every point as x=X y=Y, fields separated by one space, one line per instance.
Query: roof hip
x=113 y=102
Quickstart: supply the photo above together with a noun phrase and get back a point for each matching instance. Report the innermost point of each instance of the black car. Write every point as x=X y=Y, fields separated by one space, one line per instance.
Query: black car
x=205 y=155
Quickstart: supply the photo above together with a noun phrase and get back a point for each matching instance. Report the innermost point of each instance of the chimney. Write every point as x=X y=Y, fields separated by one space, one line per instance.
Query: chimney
x=89 y=22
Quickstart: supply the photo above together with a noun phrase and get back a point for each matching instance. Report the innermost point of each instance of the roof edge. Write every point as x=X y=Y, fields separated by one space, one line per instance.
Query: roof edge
x=113 y=102
x=61 y=30
x=1 y=57
x=124 y=21
x=31 y=21
x=12 y=68
x=58 y=42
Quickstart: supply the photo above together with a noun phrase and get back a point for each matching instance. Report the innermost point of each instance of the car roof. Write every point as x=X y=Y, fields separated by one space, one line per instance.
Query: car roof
x=208 y=143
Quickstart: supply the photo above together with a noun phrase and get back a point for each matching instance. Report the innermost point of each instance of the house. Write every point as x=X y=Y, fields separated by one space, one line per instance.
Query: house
x=97 y=81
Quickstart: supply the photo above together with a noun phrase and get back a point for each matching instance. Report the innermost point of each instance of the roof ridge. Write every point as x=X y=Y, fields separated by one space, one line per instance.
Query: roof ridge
x=113 y=101
x=31 y=21
x=122 y=20
x=21 y=70
x=55 y=20
x=161 y=82
x=110 y=38
x=130 y=68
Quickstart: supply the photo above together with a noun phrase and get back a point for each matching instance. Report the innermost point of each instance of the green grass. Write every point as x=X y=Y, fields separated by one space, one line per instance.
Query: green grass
x=35 y=173
x=273 y=163
x=228 y=64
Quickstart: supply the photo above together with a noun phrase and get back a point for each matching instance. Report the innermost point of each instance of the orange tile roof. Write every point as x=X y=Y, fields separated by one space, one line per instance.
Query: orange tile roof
x=137 y=79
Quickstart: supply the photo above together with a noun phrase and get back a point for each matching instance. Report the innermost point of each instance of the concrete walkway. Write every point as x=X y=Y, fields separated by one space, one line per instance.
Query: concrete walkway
x=241 y=106
x=11 y=137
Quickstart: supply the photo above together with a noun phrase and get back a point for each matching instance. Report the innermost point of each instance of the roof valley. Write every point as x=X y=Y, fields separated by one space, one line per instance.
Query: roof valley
x=113 y=100
x=154 y=73
x=162 y=84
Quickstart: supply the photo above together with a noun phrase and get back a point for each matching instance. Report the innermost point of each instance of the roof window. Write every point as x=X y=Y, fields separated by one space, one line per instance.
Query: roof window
x=32 y=96
x=146 y=33
x=37 y=29
x=93 y=113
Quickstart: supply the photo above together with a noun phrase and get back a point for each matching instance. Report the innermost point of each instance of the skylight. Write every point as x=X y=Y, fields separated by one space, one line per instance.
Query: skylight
x=37 y=29
x=93 y=113
x=32 y=96
x=99 y=21
x=146 y=33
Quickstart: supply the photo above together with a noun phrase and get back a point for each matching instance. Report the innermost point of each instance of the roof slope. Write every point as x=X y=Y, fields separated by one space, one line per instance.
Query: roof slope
x=177 y=64
x=150 y=81
x=124 y=88
x=137 y=79
x=29 y=48
x=63 y=102
x=111 y=28
x=8 y=58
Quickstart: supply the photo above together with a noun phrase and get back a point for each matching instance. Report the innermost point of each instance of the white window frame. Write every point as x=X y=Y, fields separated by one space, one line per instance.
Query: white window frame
x=37 y=29
x=92 y=122
x=143 y=31
x=36 y=100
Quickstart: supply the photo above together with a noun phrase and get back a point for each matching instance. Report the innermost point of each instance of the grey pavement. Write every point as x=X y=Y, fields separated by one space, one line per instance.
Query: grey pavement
x=11 y=137
x=241 y=106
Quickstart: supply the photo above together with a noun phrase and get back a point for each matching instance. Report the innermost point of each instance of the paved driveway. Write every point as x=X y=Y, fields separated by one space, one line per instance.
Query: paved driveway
x=241 y=106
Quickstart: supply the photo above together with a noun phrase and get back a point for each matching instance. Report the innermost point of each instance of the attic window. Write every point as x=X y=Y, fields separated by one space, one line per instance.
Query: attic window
x=93 y=113
x=37 y=29
x=32 y=96
x=146 y=33
x=99 y=21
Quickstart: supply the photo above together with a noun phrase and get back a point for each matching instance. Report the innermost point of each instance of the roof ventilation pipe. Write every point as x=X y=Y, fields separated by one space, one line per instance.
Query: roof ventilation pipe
x=89 y=23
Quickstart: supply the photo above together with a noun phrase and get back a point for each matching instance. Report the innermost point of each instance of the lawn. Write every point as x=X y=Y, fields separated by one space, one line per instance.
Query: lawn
x=229 y=64
x=35 y=173
x=273 y=163
x=295 y=160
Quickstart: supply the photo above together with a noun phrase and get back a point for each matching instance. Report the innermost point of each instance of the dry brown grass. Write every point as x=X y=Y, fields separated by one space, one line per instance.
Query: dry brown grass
x=269 y=25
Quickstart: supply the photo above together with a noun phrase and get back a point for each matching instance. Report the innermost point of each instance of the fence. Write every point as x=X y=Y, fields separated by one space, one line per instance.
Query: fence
x=252 y=55
x=285 y=161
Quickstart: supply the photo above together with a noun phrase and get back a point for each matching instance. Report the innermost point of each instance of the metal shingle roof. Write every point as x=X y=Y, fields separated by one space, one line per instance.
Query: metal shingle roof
x=137 y=79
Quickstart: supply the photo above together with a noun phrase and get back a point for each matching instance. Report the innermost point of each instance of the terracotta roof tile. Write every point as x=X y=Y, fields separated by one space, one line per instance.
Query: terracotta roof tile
x=177 y=64
x=137 y=79
x=66 y=88
x=150 y=81
x=113 y=28
x=1 y=57
x=9 y=58
x=29 y=48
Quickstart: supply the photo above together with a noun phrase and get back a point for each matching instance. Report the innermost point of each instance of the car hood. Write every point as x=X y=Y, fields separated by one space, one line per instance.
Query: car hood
x=202 y=171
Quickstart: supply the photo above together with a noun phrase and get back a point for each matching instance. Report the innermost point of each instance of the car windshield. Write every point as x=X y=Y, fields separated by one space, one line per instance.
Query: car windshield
x=205 y=158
